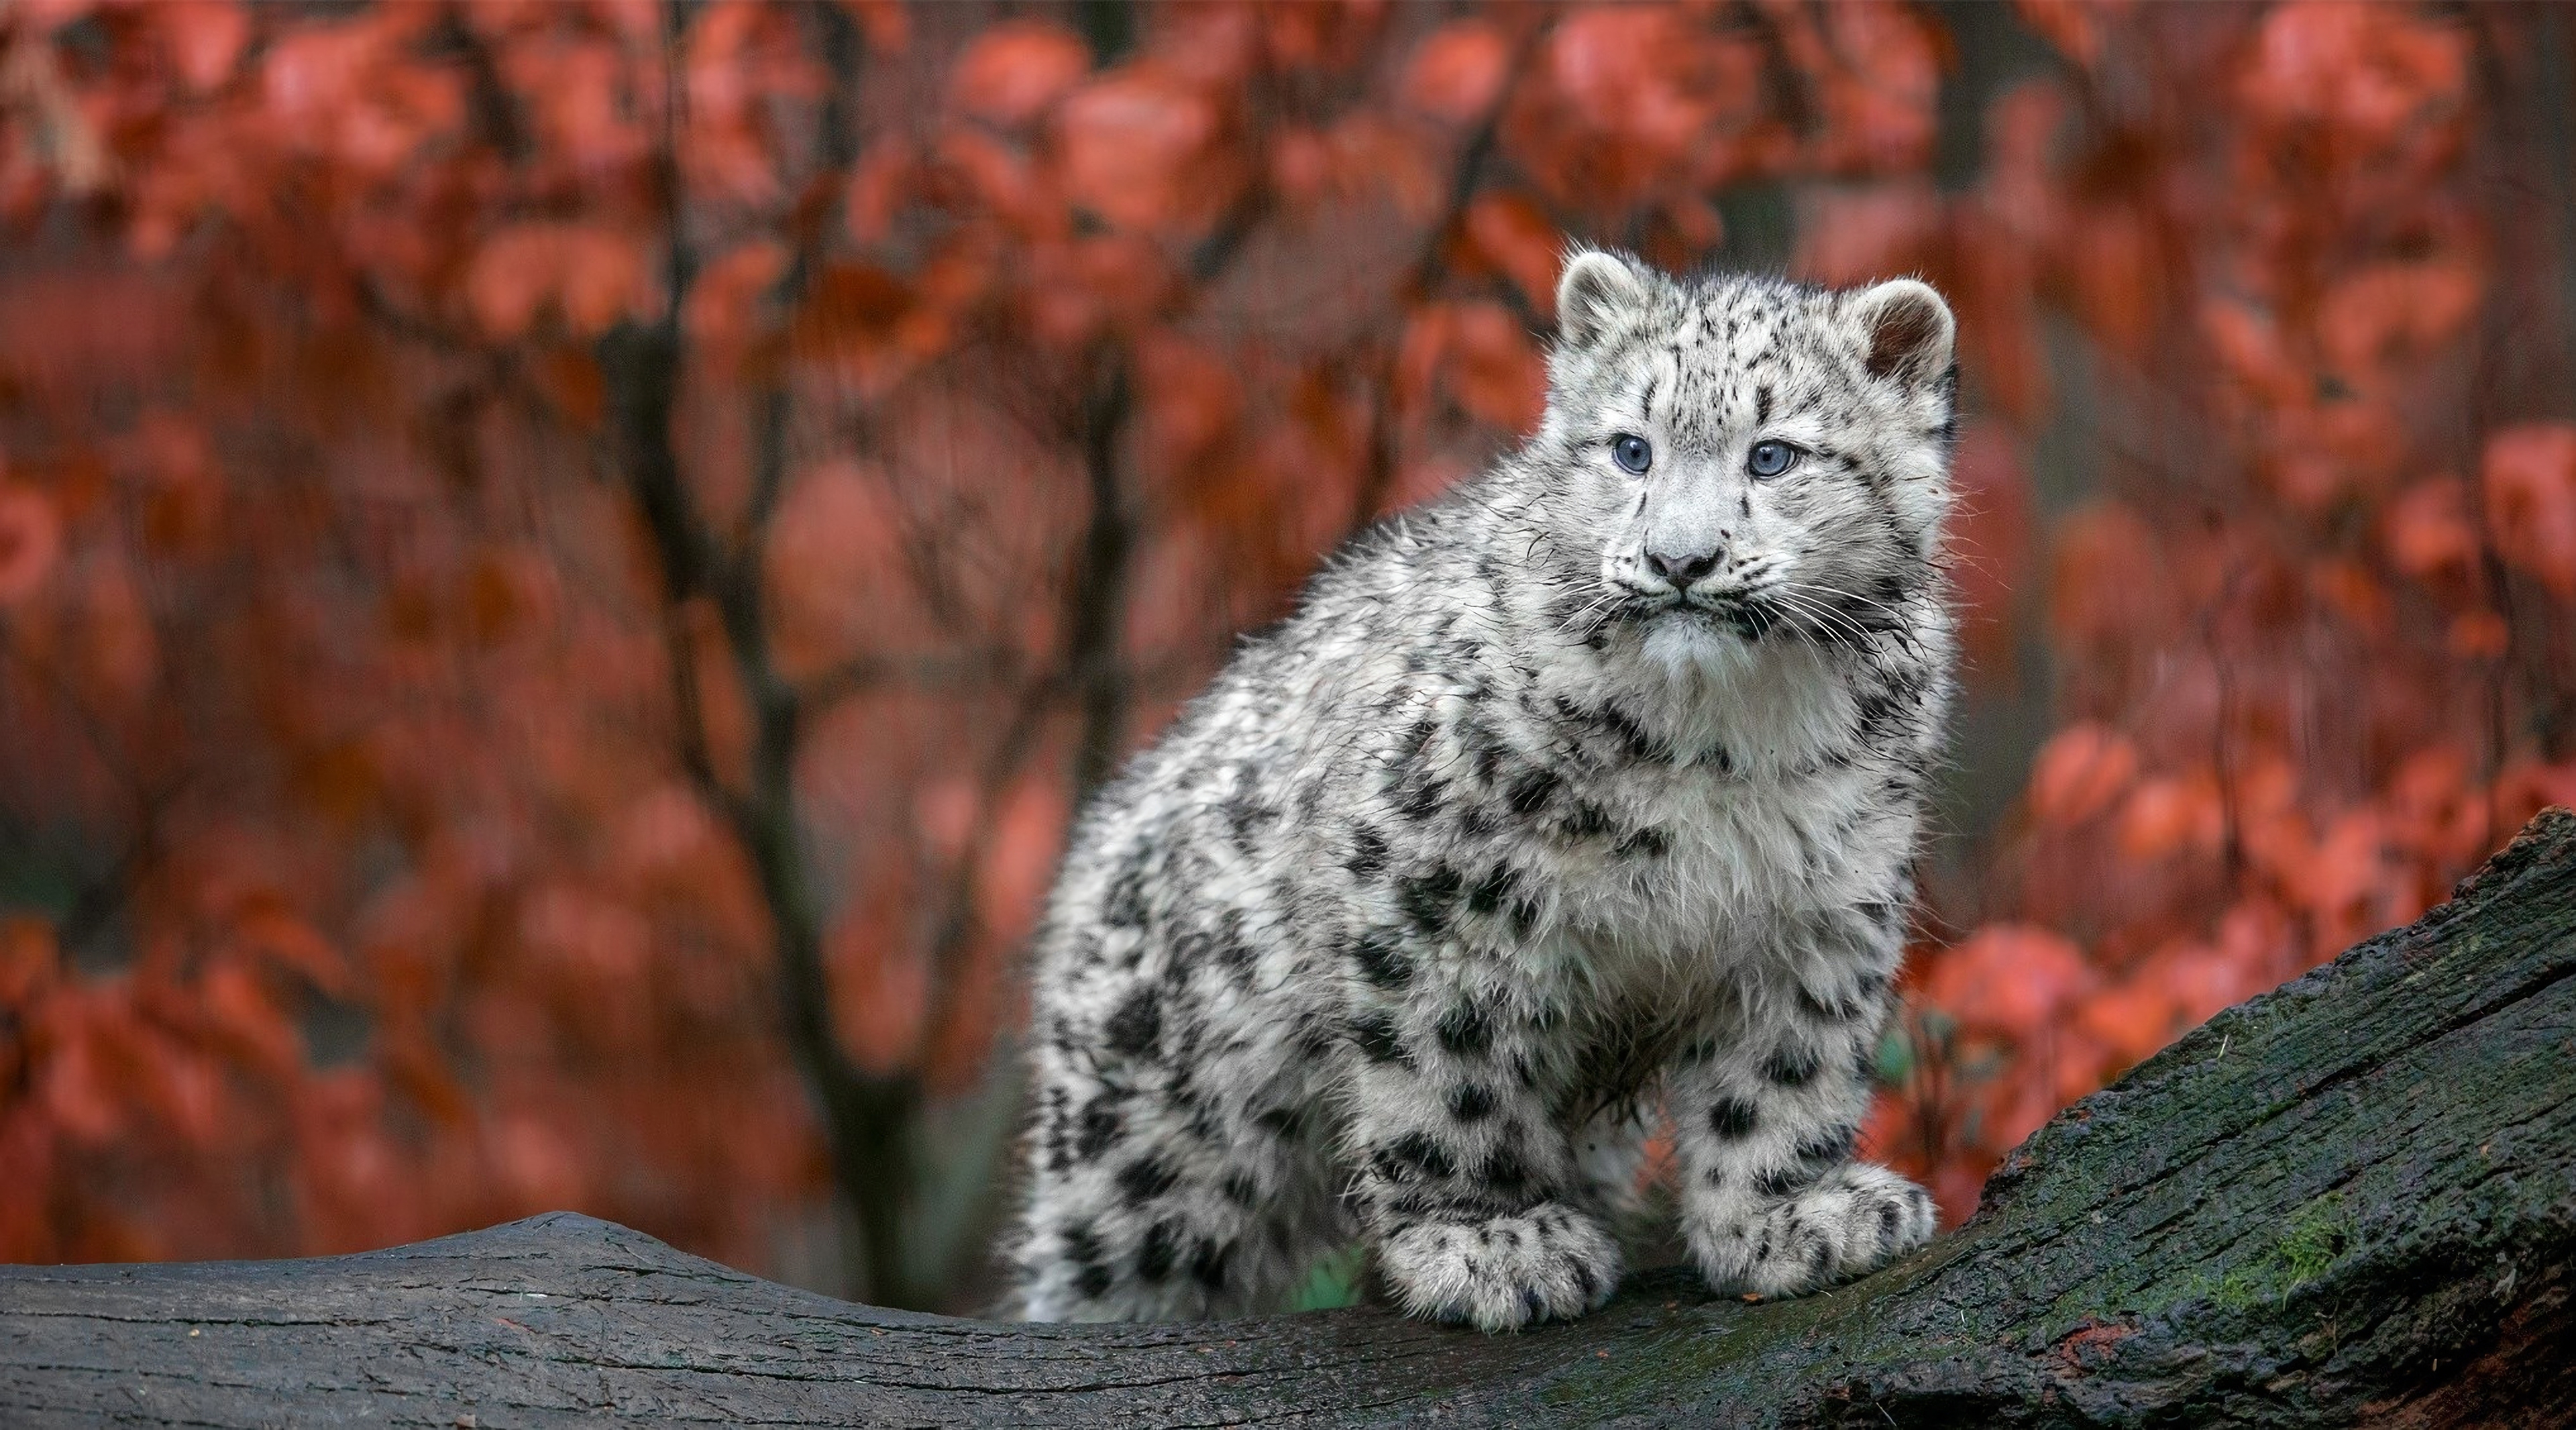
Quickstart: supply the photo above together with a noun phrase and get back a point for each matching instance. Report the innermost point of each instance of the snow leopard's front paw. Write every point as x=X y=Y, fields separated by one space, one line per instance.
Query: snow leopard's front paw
x=1547 y=1263
x=1854 y=1220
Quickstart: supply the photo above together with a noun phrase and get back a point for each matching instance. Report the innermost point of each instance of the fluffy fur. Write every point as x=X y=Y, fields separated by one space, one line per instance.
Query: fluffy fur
x=1571 y=795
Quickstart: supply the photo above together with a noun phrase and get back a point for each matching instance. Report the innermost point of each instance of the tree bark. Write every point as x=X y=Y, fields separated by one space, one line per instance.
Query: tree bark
x=2351 y=1200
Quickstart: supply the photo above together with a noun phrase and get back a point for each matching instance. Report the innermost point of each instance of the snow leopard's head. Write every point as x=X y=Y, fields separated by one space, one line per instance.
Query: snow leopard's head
x=1752 y=459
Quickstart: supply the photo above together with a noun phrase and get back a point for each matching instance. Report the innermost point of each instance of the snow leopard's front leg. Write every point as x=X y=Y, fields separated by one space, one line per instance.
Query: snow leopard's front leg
x=1771 y=1200
x=1465 y=1188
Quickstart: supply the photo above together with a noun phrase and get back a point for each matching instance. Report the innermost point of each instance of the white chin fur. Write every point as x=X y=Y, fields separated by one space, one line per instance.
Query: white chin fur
x=1686 y=645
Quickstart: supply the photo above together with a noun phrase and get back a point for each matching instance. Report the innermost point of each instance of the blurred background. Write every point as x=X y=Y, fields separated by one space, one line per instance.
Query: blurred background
x=563 y=566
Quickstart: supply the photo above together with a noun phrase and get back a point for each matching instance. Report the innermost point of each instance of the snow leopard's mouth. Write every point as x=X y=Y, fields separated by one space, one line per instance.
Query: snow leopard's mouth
x=1744 y=614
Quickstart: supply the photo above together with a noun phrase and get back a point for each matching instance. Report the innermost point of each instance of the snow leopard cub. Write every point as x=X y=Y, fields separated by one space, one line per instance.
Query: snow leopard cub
x=1587 y=789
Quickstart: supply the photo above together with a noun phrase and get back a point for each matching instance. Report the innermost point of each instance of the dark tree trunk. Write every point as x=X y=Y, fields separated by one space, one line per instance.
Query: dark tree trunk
x=2352 y=1200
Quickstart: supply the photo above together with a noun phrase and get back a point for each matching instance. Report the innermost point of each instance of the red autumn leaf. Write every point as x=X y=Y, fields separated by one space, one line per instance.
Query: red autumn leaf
x=2079 y=773
x=886 y=23
x=1618 y=67
x=2429 y=533
x=245 y=1024
x=534 y=1164
x=206 y=39
x=602 y=280
x=271 y=930
x=28 y=962
x=2166 y=815
x=2529 y=479
x=1190 y=402
x=2369 y=70
x=1511 y=233
x=2395 y=311
x=1876 y=91
x=2106 y=578
x=517 y=274
x=1861 y=235
x=881 y=993
x=1457 y=70
x=945 y=810
x=1146 y=149
x=1492 y=367
x=2478 y=635
x=30 y=539
x=855 y=311
x=1015 y=70
x=2072 y=26
x=724 y=307
x=2130 y=1020
x=73 y=1085
x=838 y=565
x=1029 y=827
x=2014 y=979
x=2353 y=589
x=1888 y=1135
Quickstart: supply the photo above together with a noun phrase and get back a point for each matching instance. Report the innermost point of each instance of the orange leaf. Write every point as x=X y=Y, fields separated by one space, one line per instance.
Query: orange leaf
x=31 y=537
x=1191 y=399
x=1856 y=235
x=512 y=276
x=880 y=988
x=206 y=39
x=602 y=279
x=536 y=1166
x=247 y=1024
x=2132 y=1020
x=1456 y=71
x=72 y=1085
x=2009 y=978
x=590 y=276
x=2166 y=815
x=1023 y=854
x=1493 y=367
x=28 y=961
x=2530 y=484
x=2395 y=310
x=271 y=930
x=1512 y=234
x=1015 y=70
x=2371 y=71
x=2478 y=635
x=2079 y=773
x=2428 y=531
x=2071 y=25
x=1145 y=149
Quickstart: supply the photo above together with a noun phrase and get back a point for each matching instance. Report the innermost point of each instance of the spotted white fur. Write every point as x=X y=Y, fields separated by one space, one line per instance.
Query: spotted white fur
x=1571 y=791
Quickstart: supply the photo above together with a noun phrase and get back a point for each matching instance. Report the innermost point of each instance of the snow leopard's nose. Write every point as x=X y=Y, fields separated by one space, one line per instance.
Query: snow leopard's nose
x=1681 y=570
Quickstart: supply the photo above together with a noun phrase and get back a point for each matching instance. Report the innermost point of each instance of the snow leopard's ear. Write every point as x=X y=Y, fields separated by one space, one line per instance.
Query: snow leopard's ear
x=1598 y=292
x=1906 y=332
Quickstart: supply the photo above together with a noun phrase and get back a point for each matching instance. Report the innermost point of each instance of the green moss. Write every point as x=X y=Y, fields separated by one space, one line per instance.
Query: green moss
x=1333 y=1283
x=2316 y=1238
x=2319 y=1236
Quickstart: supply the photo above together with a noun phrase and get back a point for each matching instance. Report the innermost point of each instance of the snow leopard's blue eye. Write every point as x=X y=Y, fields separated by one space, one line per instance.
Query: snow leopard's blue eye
x=1770 y=459
x=1631 y=453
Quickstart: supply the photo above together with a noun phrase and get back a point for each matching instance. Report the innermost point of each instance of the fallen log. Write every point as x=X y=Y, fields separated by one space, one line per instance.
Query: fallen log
x=2349 y=1201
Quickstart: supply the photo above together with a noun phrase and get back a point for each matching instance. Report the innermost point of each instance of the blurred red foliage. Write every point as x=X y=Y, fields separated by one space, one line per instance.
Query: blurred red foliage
x=562 y=566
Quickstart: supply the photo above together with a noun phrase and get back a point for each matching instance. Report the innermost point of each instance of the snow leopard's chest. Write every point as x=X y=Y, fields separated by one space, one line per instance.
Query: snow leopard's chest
x=1722 y=862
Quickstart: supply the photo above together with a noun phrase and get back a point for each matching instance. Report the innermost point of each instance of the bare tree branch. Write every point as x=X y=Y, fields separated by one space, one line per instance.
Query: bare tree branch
x=1377 y=477
x=867 y=1119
